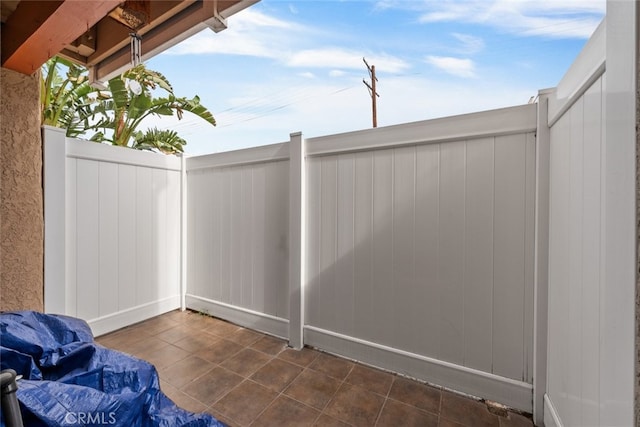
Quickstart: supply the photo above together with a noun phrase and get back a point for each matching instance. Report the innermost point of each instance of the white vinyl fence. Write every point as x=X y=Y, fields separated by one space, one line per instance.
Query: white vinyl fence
x=419 y=247
x=423 y=249
x=491 y=253
x=413 y=245
x=591 y=243
x=238 y=236
x=112 y=232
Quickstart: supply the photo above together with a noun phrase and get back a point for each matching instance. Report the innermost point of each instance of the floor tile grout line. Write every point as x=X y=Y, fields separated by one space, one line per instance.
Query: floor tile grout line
x=190 y=382
x=384 y=403
x=235 y=387
x=394 y=377
x=191 y=397
x=252 y=372
x=282 y=393
x=338 y=389
x=321 y=411
x=266 y=407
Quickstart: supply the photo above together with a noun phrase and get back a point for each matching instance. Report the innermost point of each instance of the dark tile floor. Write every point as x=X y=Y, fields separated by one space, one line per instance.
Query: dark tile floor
x=245 y=378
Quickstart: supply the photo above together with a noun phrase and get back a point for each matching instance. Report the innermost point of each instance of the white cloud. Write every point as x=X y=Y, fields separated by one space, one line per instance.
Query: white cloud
x=324 y=57
x=307 y=75
x=251 y=18
x=442 y=16
x=250 y=33
x=469 y=44
x=258 y=35
x=339 y=58
x=454 y=66
x=382 y=5
x=555 y=19
x=206 y=42
x=336 y=73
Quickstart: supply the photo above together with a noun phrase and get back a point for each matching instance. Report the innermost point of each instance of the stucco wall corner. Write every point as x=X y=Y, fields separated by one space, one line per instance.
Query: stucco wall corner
x=21 y=196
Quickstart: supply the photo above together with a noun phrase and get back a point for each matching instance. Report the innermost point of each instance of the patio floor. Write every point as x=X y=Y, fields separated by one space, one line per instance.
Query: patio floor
x=243 y=378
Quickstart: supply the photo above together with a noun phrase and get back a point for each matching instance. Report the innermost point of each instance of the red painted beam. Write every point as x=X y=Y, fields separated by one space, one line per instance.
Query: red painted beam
x=39 y=29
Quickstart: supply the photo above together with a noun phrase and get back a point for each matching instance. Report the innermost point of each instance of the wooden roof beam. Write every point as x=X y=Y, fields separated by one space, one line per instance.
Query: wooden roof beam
x=40 y=29
x=187 y=22
x=113 y=36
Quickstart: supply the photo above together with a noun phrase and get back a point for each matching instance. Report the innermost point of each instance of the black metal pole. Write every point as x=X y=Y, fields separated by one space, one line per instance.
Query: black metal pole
x=10 y=405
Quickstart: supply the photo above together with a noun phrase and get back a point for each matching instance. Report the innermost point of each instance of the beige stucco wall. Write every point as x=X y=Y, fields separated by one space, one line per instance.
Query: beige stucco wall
x=21 y=210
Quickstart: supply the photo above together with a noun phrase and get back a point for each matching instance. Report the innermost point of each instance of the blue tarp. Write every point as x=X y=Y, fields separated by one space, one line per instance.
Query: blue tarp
x=70 y=380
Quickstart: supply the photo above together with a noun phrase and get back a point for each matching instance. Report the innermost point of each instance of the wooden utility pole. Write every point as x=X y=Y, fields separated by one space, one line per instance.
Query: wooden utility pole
x=372 y=91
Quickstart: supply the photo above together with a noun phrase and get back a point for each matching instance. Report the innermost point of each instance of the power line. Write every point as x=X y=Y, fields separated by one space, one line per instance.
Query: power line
x=265 y=106
x=279 y=107
x=255 y=109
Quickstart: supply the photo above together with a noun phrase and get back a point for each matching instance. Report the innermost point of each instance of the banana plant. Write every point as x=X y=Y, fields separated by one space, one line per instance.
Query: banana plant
x=62 y=96
x=113 y=116
x=116 y=120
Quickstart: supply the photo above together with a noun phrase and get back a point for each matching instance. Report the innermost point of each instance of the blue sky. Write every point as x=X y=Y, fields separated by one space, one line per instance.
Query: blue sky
x=288 y=66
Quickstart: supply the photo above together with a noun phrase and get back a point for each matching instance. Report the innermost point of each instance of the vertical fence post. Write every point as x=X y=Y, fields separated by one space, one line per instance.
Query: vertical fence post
x=297 y=243
x=54 y=179
x=618 y=186
x=183 y=231
x=541 y=269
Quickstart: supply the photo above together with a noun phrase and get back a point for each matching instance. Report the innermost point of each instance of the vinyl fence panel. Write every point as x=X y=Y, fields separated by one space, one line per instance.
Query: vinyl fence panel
x=592 y=262
x=238 y=236
x=420 y=246
x=117 y=259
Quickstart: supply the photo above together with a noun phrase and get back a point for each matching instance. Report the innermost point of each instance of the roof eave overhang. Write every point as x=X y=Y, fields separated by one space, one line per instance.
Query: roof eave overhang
x=193 y=19
x=81 y=31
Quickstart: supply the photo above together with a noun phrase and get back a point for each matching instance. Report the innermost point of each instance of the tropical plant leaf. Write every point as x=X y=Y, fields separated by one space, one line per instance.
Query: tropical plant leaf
x=97 y=137
x=194 y=106
x=139 y=106
x=165 y=141
x=149 y=79
x=163 y=110
x=119 y=92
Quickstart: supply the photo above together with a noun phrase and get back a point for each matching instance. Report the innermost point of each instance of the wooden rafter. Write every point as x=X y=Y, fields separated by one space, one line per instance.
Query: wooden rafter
x=84 y=32
x=38 y=30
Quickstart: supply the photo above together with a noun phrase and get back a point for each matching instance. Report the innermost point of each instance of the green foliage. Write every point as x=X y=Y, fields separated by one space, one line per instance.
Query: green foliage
x=62 y=96
x=165 y=141
x=114 y=116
